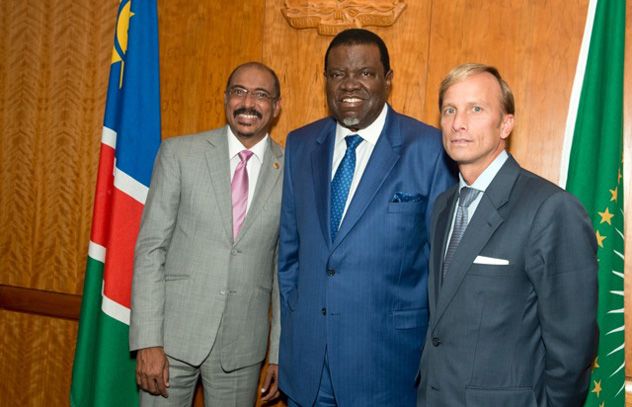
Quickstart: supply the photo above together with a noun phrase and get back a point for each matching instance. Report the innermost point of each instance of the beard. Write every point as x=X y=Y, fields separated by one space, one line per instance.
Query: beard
x=350 y=122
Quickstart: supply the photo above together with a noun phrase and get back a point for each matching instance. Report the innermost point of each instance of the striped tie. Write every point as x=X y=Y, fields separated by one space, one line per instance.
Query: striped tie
x=466 y=197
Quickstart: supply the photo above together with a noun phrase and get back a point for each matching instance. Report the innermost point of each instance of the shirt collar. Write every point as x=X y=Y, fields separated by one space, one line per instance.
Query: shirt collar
x=370 y=133
x=488 y=175
x=235 y=146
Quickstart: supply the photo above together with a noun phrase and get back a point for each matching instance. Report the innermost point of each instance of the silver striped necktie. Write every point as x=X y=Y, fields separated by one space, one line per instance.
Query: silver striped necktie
x=466 y=197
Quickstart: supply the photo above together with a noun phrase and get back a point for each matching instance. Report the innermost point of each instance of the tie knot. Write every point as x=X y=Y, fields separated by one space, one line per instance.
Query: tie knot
x=467 y=196
x=245 y=155
x=352 y=141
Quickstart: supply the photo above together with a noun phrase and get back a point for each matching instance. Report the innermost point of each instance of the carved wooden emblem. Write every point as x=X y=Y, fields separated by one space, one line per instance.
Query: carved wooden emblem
x=330 y=17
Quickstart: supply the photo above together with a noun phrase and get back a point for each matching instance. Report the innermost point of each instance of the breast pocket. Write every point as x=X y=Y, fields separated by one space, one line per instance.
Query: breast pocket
x=411 y=208
x=404 y=227
x=494 y=270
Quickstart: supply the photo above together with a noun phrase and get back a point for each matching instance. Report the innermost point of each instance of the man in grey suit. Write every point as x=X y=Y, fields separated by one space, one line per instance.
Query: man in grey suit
x=205 y=257
x=513 y=270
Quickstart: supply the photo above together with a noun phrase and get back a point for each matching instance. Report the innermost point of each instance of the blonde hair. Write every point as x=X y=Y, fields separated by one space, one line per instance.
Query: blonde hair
x=465 y=71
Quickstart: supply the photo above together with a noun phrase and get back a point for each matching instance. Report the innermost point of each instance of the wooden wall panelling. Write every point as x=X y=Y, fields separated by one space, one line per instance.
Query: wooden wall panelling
x=54 y=75
x=200 y=44
x=36 y=360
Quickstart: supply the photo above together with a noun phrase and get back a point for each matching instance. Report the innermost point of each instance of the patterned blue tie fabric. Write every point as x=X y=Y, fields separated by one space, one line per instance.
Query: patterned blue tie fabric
x=342 y=182
x=466 y=197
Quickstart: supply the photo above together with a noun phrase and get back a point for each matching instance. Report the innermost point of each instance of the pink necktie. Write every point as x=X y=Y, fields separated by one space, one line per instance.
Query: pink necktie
x=239 y=191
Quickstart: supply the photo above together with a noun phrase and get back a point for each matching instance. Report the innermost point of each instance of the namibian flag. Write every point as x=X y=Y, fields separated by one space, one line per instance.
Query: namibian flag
x=103 y=371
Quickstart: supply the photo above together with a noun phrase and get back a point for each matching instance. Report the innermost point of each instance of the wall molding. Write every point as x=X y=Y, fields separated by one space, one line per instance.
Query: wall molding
x=40 y=302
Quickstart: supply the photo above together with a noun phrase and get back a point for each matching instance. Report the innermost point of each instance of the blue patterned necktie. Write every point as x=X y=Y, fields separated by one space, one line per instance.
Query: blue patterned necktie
x=342 y=182
x=466 y=197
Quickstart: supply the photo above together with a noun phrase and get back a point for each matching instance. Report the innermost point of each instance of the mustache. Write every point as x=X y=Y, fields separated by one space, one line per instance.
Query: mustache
x=244 y=110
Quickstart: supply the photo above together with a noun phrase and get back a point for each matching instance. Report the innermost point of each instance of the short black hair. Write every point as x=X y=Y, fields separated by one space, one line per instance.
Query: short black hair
x=359 y=36
x=277 y=86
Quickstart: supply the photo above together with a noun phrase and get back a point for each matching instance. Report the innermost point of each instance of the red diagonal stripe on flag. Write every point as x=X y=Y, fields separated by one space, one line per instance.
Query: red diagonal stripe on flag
x=119 y=261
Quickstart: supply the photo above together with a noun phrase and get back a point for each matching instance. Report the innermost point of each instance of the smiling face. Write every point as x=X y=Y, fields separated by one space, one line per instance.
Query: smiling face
x=251 y=104
x=474 y=124
x=357 y=86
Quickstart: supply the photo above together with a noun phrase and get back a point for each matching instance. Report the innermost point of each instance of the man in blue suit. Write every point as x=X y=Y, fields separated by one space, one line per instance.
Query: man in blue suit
x=357 y=197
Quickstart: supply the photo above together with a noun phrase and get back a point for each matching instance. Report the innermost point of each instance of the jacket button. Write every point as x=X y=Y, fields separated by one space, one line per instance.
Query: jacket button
x=331 y=272
x=436 y=341
x=323 y=311
x=234 y=252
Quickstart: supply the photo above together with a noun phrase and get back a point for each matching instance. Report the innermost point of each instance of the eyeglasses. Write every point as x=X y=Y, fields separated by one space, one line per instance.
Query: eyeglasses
x=259 y=95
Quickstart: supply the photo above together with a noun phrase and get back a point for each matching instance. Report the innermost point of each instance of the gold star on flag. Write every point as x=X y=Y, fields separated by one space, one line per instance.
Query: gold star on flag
x=595 y=363
x=606 y=216
x=613 y=194
x=619 y=176
x=597 y=388
x=600 y=238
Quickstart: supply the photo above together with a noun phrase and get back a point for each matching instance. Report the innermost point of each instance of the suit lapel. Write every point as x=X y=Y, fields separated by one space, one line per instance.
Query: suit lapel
x=219 y=173
x=269 y=176
x=321 y=174
x=484 y=223
x=438 y=239
x=383 y=158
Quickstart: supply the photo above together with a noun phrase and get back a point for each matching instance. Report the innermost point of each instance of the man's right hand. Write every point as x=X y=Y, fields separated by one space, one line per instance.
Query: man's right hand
x=152 y=370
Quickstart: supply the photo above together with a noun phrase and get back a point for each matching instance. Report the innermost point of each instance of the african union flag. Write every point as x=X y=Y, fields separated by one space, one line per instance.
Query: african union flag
x=593 y=155
x=103 y=371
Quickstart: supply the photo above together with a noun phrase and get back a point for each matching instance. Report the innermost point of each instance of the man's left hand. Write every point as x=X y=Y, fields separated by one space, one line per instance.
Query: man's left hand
x=270 y=387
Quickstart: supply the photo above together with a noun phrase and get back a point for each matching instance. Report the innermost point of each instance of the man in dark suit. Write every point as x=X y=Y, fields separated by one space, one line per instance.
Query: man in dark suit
x=513 y=269
x=357 y=195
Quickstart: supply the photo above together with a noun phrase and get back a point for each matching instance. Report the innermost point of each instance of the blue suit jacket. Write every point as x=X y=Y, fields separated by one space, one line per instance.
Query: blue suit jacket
x=364 y=296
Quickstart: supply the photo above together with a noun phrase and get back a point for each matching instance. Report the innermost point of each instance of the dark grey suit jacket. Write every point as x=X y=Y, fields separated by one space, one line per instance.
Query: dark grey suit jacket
x=522 y=333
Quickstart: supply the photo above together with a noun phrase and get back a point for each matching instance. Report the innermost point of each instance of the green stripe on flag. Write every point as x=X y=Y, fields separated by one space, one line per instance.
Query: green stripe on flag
x=102 y=342
x=83 y=381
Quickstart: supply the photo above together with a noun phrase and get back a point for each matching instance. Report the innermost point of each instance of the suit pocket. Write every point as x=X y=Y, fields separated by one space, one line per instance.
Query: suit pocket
x=493 y=270
x=410 y=318
x=514 y=397
x=407 y=207
x=176 y=277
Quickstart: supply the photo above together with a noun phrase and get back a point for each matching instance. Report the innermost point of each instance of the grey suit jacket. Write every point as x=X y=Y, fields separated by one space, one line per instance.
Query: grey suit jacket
x=517 y=334
x=193 y=285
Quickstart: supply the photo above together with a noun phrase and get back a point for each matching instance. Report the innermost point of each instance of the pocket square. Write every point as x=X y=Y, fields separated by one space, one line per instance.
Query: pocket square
x=492 y=261
x=404 y=197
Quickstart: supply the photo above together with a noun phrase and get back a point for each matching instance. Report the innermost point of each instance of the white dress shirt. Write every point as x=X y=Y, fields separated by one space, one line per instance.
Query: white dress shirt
x=254 y=163
x=363 y=151
x=481 y=183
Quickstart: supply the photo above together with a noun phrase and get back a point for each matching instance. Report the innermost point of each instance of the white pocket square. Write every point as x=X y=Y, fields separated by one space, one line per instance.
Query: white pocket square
x=490 y=261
